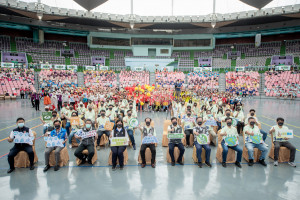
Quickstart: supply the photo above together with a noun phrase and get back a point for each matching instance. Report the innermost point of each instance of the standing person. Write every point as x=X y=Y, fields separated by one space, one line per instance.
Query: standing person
x=148 y=130
x=32 y=100
x=22 y=93
x=61 y=133
x=178 y=88
x=117 y=151
x=20 y=146
x=282 y=142
x=59 y=101
x=37 y=101
x=175 y=128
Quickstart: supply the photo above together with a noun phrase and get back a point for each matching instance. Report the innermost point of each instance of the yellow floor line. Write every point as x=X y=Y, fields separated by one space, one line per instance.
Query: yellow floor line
x=285 y=123
x=15 y=125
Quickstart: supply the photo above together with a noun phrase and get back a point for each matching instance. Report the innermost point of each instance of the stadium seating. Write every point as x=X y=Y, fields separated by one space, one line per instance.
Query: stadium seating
x=251 y=61
x=103 y=78
x=282 y=84
x=242 y=81
x=169 y=78
x=57 y=78
x=128 y=78
x=5 y=43
x=12 y=80
x=207 y=80
x=293 y=47
x=221 y=63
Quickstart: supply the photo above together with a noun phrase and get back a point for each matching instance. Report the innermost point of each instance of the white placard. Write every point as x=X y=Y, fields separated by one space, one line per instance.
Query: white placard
x=72 y=67
x=59 y=66
x=7 y=65
x=46 y=66
x=54 y=141
x=20 y=137
x=90 y=68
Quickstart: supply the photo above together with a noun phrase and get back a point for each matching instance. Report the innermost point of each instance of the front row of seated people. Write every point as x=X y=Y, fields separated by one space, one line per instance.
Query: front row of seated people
x=119 y=131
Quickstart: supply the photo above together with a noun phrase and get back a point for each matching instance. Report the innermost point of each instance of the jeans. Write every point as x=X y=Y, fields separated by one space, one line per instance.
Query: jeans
x=68 y=125
x=219 y=125
x=16 y=149
x=45 y=128
x=100 y=133
x=265 y=134
x=264 y=150
x=117 y=153
x=143 y=150
x=130 y=134
x=91 y=149
x=286 y=144
x=235 y=148
x=57 y=154
x=188 y=133
x=71 y=137
x=199 y=151
x=171 y=151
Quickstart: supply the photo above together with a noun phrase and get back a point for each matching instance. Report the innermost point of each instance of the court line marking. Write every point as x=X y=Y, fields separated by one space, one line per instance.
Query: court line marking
x=275 y=120
x=15 y=125
x=30 y=128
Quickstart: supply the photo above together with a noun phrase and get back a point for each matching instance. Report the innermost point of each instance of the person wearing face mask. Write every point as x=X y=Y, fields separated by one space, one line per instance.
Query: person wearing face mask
x=128 y=128
x=101 y=121
x=74 y=129
x=210 y=128
x=81 y=109
x=218 y=117
x=101 y=106
x=20 y=146
x=86 y=143
x=110 y=113
x=117 y=151
x=181 y=109
x=148 y=130
x=46 y=123
x=223 y=119
x=133 y=112
x=250 y=130
x=61 y=134
x=252 y=114
x=188 y=123
x=65 y=114
x=195 y=110
x=282 y=142
x=175 y=128
x=229 y=130
x=200 y=128
x=90 y=114
x=239 y=114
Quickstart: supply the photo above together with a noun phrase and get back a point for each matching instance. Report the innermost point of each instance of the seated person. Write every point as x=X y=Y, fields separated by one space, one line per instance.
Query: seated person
x=101 y=121
x=75 y=128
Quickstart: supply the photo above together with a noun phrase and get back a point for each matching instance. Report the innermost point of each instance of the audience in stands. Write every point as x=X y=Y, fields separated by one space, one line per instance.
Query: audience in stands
x=102 y=78
x=203 y=80
x=128 y=78
x=57 y=78
x=168 y=79
x=242 y=83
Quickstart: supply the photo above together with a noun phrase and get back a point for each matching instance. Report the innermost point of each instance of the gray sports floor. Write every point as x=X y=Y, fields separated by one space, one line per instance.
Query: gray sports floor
x=163 y=182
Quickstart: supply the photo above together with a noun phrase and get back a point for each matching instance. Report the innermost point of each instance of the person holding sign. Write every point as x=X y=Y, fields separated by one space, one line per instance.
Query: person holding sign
x=148 y=131
x=239 y=114
x=281 y=134
x=47 y=119
x=20 y=132
x=230 y=140
x=61 y=134
x=100 y=127
x=188 y=123
x=88 y=136
x=210 y=122
x=65 y=114
x=76 y=125
x=175 y=142
x=254 y=139
x=129 y=128
x=110 y=113
x=201 y=140
x=117 y=150
x=81 y=109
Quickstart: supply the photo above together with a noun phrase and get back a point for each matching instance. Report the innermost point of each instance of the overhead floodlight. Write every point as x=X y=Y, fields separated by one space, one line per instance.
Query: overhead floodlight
x=39 y=15
x=131 y=23
x=213 y=24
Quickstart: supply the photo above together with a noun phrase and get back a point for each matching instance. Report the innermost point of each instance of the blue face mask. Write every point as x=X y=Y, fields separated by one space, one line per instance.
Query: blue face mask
x=88 y=126
x=20 y=125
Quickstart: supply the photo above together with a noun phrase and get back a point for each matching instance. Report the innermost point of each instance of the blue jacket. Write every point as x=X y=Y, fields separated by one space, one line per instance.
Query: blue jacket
x=61 y=135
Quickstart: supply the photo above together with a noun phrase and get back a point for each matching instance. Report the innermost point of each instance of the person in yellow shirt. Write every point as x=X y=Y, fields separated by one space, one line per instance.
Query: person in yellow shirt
x=100 y=127
x=230 y=131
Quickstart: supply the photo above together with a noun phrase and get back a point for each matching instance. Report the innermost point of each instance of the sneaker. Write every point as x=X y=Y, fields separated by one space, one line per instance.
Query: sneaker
x=46 y=168
x=98 y=148
x=32 y=167
x=208 y=164
x=56 y=168
x=173 y=163
x=224 y=164
x=121 y=167
x=134 y=147
x=10 y=170
x=200 y=164
x=275 y=163
x=153 y=165
x=90 y=162
x=292 y=164
x=70 y=146
x=266 y=145
x=250 y=163
x=180 y=163
x=238 y=164
x=262 y=162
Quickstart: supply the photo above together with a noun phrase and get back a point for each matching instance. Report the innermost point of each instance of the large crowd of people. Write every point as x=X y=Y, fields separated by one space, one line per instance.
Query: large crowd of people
x=57 y=78
x=102 y=78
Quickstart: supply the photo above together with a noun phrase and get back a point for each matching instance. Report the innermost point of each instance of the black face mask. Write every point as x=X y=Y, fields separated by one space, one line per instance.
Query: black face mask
x=102 y=114
x=188 y=115
x=90 y=109
x=81 y=105
x=130 y=108
x=148 y=123
x=238 y=109
x=110 y=108
x=54 y=115
x=227 y=114
x=129 y=114
x=119 y=125
x=182 y=104
x=229 y=123
x=174 y=123
x=199 y=123
x=252 y=123
x=71 y=108
x=101 y=104
x=252 y=114
x=280 y=123
x=57 y=126
x=195 y=105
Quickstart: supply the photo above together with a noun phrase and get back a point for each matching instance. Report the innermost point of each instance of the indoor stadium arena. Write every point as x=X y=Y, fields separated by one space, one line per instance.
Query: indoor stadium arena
x=149 y=99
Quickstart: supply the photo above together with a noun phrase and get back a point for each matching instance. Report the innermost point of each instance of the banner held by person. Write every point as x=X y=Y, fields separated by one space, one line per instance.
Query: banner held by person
x=118 y=141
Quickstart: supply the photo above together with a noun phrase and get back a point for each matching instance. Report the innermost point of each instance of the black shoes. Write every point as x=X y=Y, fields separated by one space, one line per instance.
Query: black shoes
x=90 y=162
x=238 y=164
x=10 y=170
x=46 y=168
x=208 y=164
x=173 y=163
x=32 y=167
x=56 y=168
x=200 y=164
x=224 y=164
x=250 y=163
x=121 y=167
x=180 y=163
x=113 y=168
x=262 y=162
x=134 y=146
x=143 y=165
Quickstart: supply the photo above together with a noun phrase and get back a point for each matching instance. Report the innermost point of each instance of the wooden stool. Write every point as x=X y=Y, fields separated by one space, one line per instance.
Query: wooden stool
x=195 y=155
x=7 y=97
x=231 y=153
x=22 y=158
x=125 y=154
x=148 y=156
x=103 y=140
x=64 y=157
x=165 y=140
x=86 y=152
x=176 y=155
x=284 y=153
